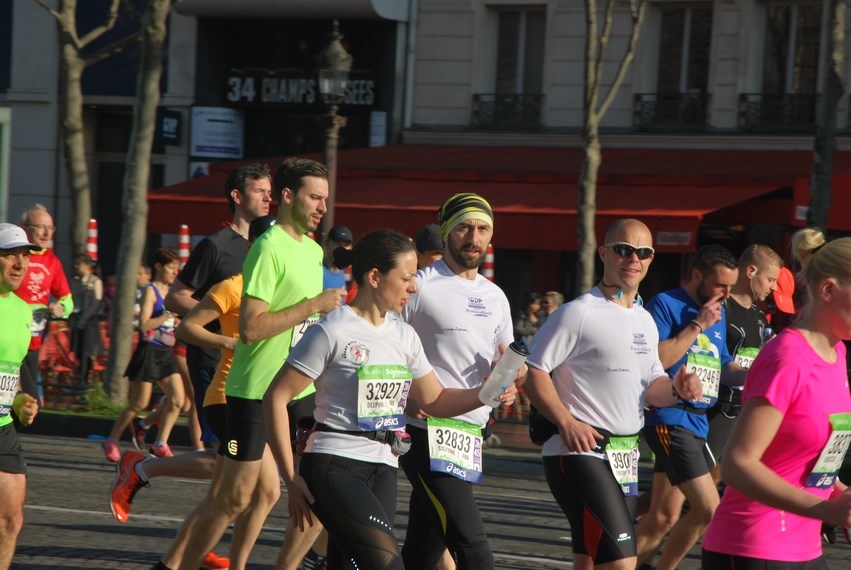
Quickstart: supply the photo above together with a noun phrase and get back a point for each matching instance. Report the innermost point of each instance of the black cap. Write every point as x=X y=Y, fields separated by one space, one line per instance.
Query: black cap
x=339 y=234
x=428 y=238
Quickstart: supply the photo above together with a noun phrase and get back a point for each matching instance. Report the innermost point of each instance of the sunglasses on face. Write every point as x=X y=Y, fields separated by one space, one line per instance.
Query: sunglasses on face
x=626 y=250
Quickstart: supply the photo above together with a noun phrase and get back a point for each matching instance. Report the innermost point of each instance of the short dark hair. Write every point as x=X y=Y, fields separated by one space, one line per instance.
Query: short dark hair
x=379 y=249
x=164 y=256
x=85 y=258
x=710 y=256
x=291 y=173
x=241 y=176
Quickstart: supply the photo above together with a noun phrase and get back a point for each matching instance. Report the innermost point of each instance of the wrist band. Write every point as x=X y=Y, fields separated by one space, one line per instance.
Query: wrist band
x=697 y=324
x=674 y=392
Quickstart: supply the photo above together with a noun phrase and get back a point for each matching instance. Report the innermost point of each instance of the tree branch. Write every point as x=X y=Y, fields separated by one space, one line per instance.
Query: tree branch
x=66 y=19
x=636 y=8
x=591 y=78
x=111 y=18
x=604 y=38
x=49 y=10
x=113 y=48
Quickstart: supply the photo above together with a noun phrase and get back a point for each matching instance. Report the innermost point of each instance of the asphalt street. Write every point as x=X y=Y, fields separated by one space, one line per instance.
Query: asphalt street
x=68 y=523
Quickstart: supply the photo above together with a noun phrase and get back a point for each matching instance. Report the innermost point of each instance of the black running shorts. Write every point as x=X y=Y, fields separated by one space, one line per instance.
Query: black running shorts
x=151 y=363
x=246 y=430
x=11 y=452
x=216 y=417
x=600 y=516
x=679 y=452
x=717 y=561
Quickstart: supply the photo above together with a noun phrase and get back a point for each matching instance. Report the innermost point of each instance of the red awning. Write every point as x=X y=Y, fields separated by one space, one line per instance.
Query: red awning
x=529 y=215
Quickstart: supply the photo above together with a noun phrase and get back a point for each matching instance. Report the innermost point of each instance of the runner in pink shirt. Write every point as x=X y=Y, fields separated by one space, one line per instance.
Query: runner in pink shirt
x=783 y=457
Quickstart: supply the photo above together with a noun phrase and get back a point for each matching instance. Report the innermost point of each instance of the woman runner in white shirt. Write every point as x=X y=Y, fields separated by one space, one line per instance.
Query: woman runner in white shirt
x=368 y=366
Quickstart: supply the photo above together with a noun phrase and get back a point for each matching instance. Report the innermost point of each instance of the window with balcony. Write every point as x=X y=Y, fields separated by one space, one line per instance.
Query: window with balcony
x=789 y=73
x=516 y=103
x=681 y=98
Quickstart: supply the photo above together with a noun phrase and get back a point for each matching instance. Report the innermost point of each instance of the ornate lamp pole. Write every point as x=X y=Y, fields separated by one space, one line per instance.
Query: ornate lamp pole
x=334 y=64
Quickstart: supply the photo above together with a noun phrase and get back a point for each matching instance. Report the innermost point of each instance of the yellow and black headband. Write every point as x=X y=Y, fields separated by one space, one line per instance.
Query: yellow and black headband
x=462 y=207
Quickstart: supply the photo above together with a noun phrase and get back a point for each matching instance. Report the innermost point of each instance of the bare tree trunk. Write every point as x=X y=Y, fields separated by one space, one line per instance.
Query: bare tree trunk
x=587 y=211
x=587 y=198
x=135 y=199
x=596 y=41
x=73 y=140
x=824 y=144
x=71 y=104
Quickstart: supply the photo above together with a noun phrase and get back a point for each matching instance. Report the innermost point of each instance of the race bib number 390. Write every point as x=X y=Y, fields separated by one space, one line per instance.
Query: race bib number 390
x=830 y=459
x=382 y=396
x=622 y=453
x=455 y=448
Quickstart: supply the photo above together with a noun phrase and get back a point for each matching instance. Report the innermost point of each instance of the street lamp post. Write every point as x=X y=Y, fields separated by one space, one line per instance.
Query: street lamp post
x=334 y=64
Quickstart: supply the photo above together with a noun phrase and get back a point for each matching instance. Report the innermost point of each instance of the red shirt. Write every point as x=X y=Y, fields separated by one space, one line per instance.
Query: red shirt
x=44 y=278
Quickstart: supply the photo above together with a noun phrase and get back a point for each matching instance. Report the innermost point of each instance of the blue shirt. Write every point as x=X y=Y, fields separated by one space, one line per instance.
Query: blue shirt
x=332 y=279
x=673 y=311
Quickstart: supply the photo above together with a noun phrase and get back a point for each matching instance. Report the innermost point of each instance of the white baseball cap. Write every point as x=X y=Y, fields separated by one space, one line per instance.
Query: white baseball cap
x=13 y=237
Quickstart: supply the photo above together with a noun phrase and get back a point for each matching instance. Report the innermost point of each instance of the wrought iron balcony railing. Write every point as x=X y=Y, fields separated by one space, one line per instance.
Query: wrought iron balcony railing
x=779 y=113
x=658 y=112
x=512 y=112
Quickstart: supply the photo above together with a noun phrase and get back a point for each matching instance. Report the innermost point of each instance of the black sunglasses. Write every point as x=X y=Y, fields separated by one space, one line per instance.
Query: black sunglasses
x=626 y=250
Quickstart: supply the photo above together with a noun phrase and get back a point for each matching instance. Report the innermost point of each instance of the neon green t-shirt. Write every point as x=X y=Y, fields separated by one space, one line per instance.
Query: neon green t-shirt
x=14 y=343
x=282 y=272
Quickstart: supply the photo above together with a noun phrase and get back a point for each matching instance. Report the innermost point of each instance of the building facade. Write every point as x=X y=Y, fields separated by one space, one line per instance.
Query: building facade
x=707 y=76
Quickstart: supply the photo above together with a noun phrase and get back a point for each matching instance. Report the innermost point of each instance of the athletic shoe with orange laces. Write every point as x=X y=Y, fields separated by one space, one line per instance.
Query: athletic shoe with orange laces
x=112 y=450
x=127 y=482
x=215 y=562
x=160 y=450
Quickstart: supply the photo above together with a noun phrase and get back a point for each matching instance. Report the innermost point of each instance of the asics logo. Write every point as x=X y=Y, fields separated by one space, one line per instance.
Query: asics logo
x=386 y=422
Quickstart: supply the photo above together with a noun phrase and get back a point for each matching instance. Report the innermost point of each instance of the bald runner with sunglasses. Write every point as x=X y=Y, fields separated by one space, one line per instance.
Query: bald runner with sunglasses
x=602 y=349
x=692 y=333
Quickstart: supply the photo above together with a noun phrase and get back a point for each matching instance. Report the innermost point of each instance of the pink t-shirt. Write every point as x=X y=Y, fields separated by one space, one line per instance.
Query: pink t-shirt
x=806 y=389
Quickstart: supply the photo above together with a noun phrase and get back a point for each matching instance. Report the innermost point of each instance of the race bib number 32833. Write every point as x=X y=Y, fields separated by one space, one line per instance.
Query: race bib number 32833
x=455 y=448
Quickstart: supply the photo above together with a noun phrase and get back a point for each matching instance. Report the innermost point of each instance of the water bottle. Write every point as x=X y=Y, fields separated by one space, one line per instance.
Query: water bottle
x=504 y=373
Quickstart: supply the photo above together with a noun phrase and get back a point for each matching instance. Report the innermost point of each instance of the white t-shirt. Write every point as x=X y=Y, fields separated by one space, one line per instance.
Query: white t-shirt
x=461 y=324
x=331 y=352
x=602 y=357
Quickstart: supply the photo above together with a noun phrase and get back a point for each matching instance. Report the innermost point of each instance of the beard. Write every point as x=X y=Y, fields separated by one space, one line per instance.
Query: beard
x=702 y=296
x=467 y=263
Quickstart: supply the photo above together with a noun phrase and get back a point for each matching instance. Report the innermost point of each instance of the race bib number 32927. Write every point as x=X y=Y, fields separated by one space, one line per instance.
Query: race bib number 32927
x=382 y=396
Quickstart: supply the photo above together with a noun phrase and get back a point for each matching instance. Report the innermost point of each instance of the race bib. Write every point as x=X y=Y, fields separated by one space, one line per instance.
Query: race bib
x=708 y=369
x=746 y=356
x=455 y=448
x=301 y=328
x=10 y=376
x=622 y=453
x=830 y=459
x=382 y=396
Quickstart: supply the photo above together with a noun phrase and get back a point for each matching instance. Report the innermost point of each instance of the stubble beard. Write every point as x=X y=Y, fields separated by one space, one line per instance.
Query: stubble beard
x=464 y=262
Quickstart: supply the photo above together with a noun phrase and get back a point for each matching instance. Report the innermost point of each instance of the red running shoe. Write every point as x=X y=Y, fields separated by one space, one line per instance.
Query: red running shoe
x=160 y=450
x=112 y=450
x=127 y=482
x=215 y=562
